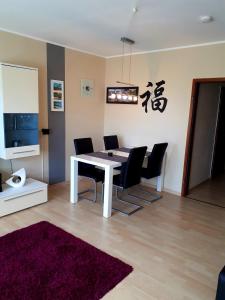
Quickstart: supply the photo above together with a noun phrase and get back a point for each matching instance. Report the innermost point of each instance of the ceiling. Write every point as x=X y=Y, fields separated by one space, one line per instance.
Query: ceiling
x=96 y=26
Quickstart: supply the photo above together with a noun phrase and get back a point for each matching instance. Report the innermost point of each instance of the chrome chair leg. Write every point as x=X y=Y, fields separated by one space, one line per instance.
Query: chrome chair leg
x=155 y=196
x=117 y=193
x=102 y=195
x=95 y=191
x=90 y=190
x=118 y=199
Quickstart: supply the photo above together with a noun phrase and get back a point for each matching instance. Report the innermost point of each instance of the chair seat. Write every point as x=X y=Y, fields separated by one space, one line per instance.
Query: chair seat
x=118 y=168
x=146 y=173
x=92 y=172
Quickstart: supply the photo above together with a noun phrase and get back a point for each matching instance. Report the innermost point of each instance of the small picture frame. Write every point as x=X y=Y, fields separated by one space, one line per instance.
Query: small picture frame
x=57 y=95
x=86 y=87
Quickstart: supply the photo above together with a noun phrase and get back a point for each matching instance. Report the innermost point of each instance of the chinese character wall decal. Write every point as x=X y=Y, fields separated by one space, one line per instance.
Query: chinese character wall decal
x=157 y=101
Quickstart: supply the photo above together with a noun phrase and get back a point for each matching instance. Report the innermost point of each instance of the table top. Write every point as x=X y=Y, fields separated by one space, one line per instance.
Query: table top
x=123 y=152
x=96 y=161
x=117 y=156
x=102 y=159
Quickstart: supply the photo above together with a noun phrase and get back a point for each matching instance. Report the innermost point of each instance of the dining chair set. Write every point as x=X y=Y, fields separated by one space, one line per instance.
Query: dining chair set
x=127 y=176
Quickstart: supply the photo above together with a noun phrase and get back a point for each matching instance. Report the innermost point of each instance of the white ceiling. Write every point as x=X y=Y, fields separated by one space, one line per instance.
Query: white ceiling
x=96 y=26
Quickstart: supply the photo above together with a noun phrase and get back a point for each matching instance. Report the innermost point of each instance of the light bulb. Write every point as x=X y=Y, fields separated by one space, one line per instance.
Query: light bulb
x=135 y=98
x=129 y=97
x=206 y=19
x=124 y=97
x=118 y=96
x=113 y=96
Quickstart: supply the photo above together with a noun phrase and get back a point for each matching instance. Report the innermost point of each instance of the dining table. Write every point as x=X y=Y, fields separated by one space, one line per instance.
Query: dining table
x=108 y=162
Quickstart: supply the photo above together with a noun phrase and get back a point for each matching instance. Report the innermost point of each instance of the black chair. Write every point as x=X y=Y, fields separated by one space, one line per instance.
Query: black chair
x=155 y=160
x=129 y=176
x=84 y=146
x=220 y=293
x=111 y=142
x=154 y=167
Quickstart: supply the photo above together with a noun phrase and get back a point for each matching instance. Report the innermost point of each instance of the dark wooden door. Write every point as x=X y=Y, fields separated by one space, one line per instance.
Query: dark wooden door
x=218 y=163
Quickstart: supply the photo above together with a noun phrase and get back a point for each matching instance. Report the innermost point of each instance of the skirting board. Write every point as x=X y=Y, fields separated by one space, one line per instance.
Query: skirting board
x=147 y=183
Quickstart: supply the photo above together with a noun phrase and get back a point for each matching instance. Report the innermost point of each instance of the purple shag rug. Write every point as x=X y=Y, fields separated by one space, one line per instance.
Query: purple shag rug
x=43 y=262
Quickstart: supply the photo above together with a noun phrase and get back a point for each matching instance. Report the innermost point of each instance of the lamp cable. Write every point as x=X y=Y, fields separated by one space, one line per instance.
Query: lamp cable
x=11 y=166
x=122 y=62
x=130 y=63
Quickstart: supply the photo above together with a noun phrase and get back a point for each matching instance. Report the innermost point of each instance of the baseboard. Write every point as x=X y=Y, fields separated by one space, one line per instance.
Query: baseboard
x=147 y=184
x=152 y=185
x=172 y=192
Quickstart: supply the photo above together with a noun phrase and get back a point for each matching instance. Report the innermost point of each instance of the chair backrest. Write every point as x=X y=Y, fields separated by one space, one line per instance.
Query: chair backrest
x=111 y=142
x=83 y=145
x=155 y=160
x=131 y=171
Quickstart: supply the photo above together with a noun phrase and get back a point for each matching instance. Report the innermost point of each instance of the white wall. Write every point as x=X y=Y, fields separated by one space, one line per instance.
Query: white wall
x=84 y=115
x=91 y=117
x=177 y=68
x=205 y=128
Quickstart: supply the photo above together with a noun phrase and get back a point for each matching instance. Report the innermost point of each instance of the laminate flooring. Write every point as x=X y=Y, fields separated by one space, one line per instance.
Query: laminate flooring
x=211 y=191
x=176 y=245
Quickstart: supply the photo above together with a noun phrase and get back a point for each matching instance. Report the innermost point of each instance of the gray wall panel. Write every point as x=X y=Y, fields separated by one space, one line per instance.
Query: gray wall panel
x=56 y=120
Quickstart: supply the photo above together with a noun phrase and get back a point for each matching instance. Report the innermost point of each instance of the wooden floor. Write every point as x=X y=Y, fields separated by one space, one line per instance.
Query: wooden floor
x=211 y=191
x=176 y=246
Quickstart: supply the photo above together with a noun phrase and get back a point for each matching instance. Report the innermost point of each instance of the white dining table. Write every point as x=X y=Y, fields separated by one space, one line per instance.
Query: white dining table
x=108 y=166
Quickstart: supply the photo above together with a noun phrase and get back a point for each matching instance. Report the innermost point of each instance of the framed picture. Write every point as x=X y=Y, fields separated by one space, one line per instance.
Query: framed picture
x=122 y=95
x=57 y=95
x=86 y=87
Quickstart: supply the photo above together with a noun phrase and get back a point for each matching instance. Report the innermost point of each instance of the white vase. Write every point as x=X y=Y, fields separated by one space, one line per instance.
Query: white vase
x=18 y=178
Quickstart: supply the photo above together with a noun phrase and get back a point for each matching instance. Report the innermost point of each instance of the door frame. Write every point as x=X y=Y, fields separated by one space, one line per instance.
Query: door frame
x=191 y=128
x=216 y=131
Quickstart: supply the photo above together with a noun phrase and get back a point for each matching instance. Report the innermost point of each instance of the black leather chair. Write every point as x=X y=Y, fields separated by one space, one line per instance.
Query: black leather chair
x=154 y=167
x=220 y=293
x=84 y=146
x=111 y=142
x=155 y=160
x=129 y=176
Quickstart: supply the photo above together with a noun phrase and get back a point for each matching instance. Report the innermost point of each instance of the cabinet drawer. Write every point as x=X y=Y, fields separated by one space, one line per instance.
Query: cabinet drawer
x=22 y=202
x=17 y=152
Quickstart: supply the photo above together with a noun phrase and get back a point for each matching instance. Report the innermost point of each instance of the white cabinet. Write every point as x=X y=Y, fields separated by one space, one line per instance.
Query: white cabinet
x=19 y=109
x=33 y=193
x=19 y=89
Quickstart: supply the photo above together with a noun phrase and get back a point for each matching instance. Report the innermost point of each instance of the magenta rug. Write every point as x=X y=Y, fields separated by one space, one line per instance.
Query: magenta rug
x=43 y=262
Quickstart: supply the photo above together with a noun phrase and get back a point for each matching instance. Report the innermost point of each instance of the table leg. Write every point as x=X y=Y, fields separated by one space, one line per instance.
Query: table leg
x=107 y=205
x=73 y=180
x=160 y=179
